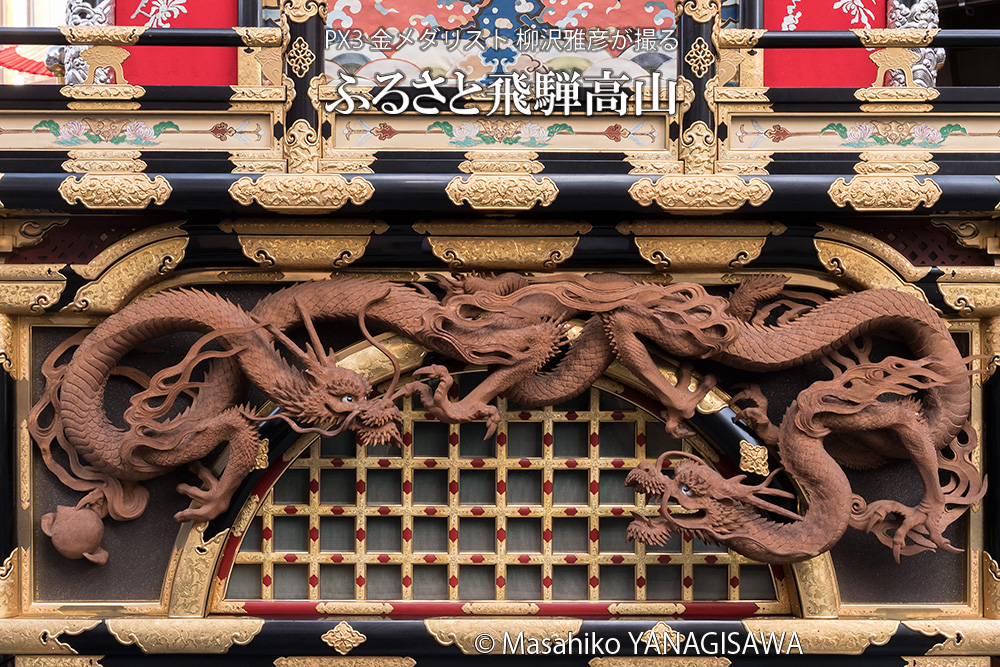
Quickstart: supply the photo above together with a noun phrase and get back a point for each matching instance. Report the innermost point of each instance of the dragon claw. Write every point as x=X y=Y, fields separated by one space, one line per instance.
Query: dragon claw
x=214 y=500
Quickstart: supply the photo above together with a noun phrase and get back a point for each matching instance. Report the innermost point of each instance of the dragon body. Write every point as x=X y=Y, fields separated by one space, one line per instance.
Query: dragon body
x=514 y=325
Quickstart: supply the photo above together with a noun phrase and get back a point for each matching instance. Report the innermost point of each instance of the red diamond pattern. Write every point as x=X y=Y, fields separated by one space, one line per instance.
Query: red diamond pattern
x=617 y=559
x=313 y=581
x=617 y=511
x=266 y=533
x=594 y=440
x=430 y=558
x=337 y=558
x=617 y=463
x=453 y=582
x=313 y=486
x=594 y=581
x=477 y=558
x=407 y=534
x=664 y=559
x=407 y=439
x=640 y=582
x=501 y=581
x=501 y=486
x=547 y=439
x=547 y=488
x=734 y=582
x=524 y=558
x=407 y=582
x=687 y=582
x=618 y=415
x=594 y=487
x=547 y=581
x=524 y=463
x=266 y=580
x=453 y=487
x=290 y=558
x=525 y=415
x=384 y=558
x=478 y=463
x=383 y=510
x=594 y=535
x=360 y=534
x=547 y=535
x=570 y=511
x=571 y=415
x=407 y=486
x=430 y=463
x=501 y=534
x=453 y=439
x=477 y=511
x=524 y=511
x=453 y=535
x=361 y=486
x=502 y=439
x=570 y=559
x=290 y=510
x=360 y=581
x=710 y=560
x=313 y=534
x=571 y=463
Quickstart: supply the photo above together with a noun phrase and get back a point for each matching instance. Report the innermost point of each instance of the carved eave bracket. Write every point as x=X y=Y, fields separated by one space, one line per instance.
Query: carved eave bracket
x=700 y=246
x=502 y=245
x=304 y=244
x=709 y=194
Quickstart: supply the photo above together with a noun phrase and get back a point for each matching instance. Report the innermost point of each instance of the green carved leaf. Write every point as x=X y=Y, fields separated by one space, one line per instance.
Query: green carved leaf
x=486 y=139
x=952 y=128
x=50 y=125
x=836 y=127
x=165 y=125
x=559 y=127
x=443 y=126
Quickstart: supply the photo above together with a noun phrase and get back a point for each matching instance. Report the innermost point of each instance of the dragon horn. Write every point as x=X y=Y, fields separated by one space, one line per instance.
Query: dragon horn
x=685 y=455
x=396 y=371
x=318 y=348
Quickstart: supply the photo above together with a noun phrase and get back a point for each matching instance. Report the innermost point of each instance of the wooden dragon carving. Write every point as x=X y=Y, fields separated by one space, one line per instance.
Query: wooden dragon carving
x=516 y=326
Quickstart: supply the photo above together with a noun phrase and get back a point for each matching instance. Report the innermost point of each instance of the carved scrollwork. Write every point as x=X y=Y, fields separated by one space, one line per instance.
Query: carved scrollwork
x=532 y=253
x=700 y=57
x=463 y=632
x=253 y=36
x=899 y=37
x=502 y=191
x=194 y=572
x=10 y=590
x=302 y=148
x=301 y=10
x=835 y=636
x=889 y=94
x=816 y=581
x=84 y=91
x=21 y=636
x=304 y=252
x=298 y=193
x=699 y=253
x=300 y=57
x=709 y=194
x=739 y=38
x=173 y=635
x=701 y=11
x=698 y=148
x=343 y=638
x=103 y=35
x=890 y=192
x=119 y=191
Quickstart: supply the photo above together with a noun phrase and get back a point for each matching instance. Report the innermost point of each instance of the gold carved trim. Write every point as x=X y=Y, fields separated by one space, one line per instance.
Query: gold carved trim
x=57 y=660
x=195 y=567
x=886 y=37
x=348 y=162
x=698 y=149
x=29 y=288
x=257 y=94
x=661 y=661
x=653 y=162
x=8 y=354
x=753 y=458
x=916 y=162
x=301 y=10
x=515 y=254
x=259 y=36
x=511 y=192
x=710 y=194
x=968 y=299
x=500 y=162
x=983 y=234
x=647 y=608
x=106 y=35
x=699 y=254
x=41 y=636
x=105 y=162
x=861 y=270
x=961 y=637
x=343 y=638
x=300 y=57
x=115 y=286
x=301 y=193
x=890 y=94
x=818 y=591
x=738 y=38
x=876 y=248
x=701 y=11
x=700 y=58
x=84 y=91
x=362 y=609
x=10 y=590
x=352 y=661
x=24 y=231
x=991 y=583
x=169 y=635
x=828 y=637
x=950 y=661
x=467 y=633
x=889 y=192
x=302 y=148
x=118 y=191
x=304 y=252
x=24 y=463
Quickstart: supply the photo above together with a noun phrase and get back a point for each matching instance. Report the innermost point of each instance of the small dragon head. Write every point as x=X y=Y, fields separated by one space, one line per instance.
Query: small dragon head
x=701 y=501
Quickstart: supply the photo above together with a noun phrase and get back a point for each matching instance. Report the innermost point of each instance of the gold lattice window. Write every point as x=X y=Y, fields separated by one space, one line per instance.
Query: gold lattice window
x=535 y=514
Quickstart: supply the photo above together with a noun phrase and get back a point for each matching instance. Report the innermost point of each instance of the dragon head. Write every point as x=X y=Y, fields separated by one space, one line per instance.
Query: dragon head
x=703 y=502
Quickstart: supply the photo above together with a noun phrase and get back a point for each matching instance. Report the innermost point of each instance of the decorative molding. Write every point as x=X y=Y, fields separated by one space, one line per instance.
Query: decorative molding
x=301 y=10
x=169 y=635
x=741 y=95
x=260 y=36
x=498 y=245
x=25 y=231
x=653 y=162
x=343 y=638
x=304 y=252
x=257 y=94
x=303 y=148
x=968 y=299
x=710 y=194
x=102 y=35
x=701 y=11
x=646 y=609
x=700 y=58
x=465 y=633
x=24 y=468
x=301 y=193
x=991 y=569
x=961 y=637
x=511 y=192
x=661 y=661
x=43 y=636
x=104 y=162
x=698 y=148
x=982 y=234
x=195 y=567
x=29 y=288
x=890 y=192
x=904 y=162
x=300 y=57
x=860 y=269
x=84 y=91
x=895 y=37
x=115 y=287
x=950 y=661
x=353 y=661
x=363 y=609
x=829 y=637
x=698 y=253
x=118 y=191
x=348 y=162
x=58 y=661
x=738 y=38
x=501 y=162
x=10 y=589
x=889 y=94
x=818 y=591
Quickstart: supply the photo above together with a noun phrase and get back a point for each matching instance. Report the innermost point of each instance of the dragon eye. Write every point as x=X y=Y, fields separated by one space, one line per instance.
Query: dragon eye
x=686 y=490
x=348 y=399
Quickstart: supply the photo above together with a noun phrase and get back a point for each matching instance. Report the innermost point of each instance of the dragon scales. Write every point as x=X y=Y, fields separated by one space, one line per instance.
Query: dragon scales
x=516 y=326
